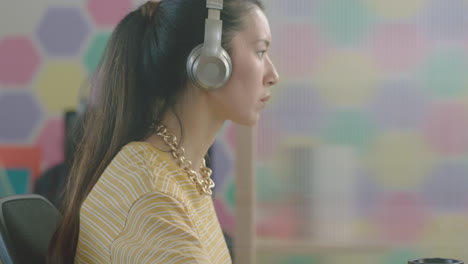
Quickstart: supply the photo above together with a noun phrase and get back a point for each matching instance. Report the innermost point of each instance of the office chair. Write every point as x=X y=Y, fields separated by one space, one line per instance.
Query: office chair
x=27 y=223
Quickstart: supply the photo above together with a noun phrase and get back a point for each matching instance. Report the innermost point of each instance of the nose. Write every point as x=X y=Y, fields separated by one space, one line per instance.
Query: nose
x=272 y=77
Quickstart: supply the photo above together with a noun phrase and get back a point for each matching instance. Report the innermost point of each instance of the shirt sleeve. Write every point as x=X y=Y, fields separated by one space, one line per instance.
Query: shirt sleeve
x=158 y=230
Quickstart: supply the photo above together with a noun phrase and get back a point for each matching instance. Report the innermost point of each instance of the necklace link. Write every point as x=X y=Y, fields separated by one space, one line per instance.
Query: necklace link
x=205 y=184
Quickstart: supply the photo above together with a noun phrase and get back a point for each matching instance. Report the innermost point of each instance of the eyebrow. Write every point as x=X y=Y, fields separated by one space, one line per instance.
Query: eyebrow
x=267 y=43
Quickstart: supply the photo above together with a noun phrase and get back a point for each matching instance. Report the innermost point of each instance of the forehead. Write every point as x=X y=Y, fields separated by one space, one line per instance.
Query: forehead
x=256 y=27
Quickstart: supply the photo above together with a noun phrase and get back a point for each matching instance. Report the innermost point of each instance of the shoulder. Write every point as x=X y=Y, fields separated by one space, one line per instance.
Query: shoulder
x=151 y=167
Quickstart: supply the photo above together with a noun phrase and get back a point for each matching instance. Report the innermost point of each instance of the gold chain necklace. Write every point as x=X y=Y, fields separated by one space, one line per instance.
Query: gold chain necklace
x=205 y=184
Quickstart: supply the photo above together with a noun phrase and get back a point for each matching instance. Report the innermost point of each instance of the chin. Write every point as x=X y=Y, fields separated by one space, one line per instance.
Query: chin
x=249 y=121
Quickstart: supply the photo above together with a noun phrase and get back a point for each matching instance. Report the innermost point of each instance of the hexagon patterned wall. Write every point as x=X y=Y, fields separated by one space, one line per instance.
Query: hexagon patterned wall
x=365 y=140
x=45 y=56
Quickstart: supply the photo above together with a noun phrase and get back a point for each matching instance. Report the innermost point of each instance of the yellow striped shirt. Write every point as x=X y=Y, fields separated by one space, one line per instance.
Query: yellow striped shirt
x=144 y=209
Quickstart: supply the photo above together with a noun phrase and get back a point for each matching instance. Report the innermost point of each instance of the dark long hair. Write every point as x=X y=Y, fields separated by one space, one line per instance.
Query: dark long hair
x=141 y=75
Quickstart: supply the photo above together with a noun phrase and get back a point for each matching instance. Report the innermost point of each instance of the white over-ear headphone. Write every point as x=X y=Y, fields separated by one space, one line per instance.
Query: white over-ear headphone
x=209 y=65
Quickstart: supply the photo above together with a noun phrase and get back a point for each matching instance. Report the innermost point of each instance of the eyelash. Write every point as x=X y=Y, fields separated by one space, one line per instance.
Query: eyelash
x=262 y=53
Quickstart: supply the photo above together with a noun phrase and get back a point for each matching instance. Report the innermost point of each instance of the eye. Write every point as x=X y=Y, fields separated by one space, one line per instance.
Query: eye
x=261 y=53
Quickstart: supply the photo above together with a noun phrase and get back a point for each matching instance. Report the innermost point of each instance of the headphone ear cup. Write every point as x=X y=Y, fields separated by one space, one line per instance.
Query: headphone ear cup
x=208 y=72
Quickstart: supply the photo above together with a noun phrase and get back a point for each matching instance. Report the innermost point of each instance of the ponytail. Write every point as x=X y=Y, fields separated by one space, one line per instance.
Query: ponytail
x=118 y=113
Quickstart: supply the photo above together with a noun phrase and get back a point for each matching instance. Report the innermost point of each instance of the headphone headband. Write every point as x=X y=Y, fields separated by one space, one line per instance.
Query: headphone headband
x=213 y=28
x=214 y=4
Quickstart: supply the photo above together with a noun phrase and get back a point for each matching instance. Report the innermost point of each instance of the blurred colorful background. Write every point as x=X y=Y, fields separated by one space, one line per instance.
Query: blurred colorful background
x=362 y=154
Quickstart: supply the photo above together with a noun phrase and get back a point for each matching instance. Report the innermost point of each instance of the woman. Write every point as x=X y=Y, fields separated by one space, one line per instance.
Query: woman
x=139 y=191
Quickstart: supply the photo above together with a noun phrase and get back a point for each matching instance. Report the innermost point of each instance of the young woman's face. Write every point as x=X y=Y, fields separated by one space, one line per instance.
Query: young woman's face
x=247 y=91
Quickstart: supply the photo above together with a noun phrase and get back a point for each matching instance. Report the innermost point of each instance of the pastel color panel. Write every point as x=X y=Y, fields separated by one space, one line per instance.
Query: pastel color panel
x=293 y=8
x=446 y=20
x=301 y=118
x=62 y=31
x=350 y=128
x=396 y=9
x=106 y=13
x=225 y=216
x=347 y=78
x=19 y=180
x=19 y=60
x=401 y=217
x=95 y=50
x=398 y=47
x=445 y=236
x=302 y=56
x=268 y=129
x=20 y=113
x=445 y=187
x=400 y=160
x=399 y=105
x=346 y=22
x=52 y=142
x=369 y=192
x=5 y=186
x=221 y=165
x=445 y=73
x=446 y=128
x=230 y=135
x=284 y=226
x=22 y=157
x=268 y=185
x=31 y=13
x=230 y=194
x=60 y=79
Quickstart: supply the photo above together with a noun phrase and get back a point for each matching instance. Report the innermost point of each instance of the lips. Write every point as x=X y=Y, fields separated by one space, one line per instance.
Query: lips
x=265 y=99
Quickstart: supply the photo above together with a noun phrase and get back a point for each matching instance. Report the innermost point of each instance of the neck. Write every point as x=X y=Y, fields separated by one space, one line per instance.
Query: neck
x=194 y=126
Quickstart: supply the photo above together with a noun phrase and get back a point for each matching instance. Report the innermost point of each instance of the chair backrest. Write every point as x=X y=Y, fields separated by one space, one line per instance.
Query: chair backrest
x=27 y=223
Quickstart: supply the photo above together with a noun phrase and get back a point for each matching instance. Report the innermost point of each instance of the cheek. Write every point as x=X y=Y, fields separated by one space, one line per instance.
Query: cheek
x=246 y=69
x=235 y=99
x=247 y=77
x=242 y=90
